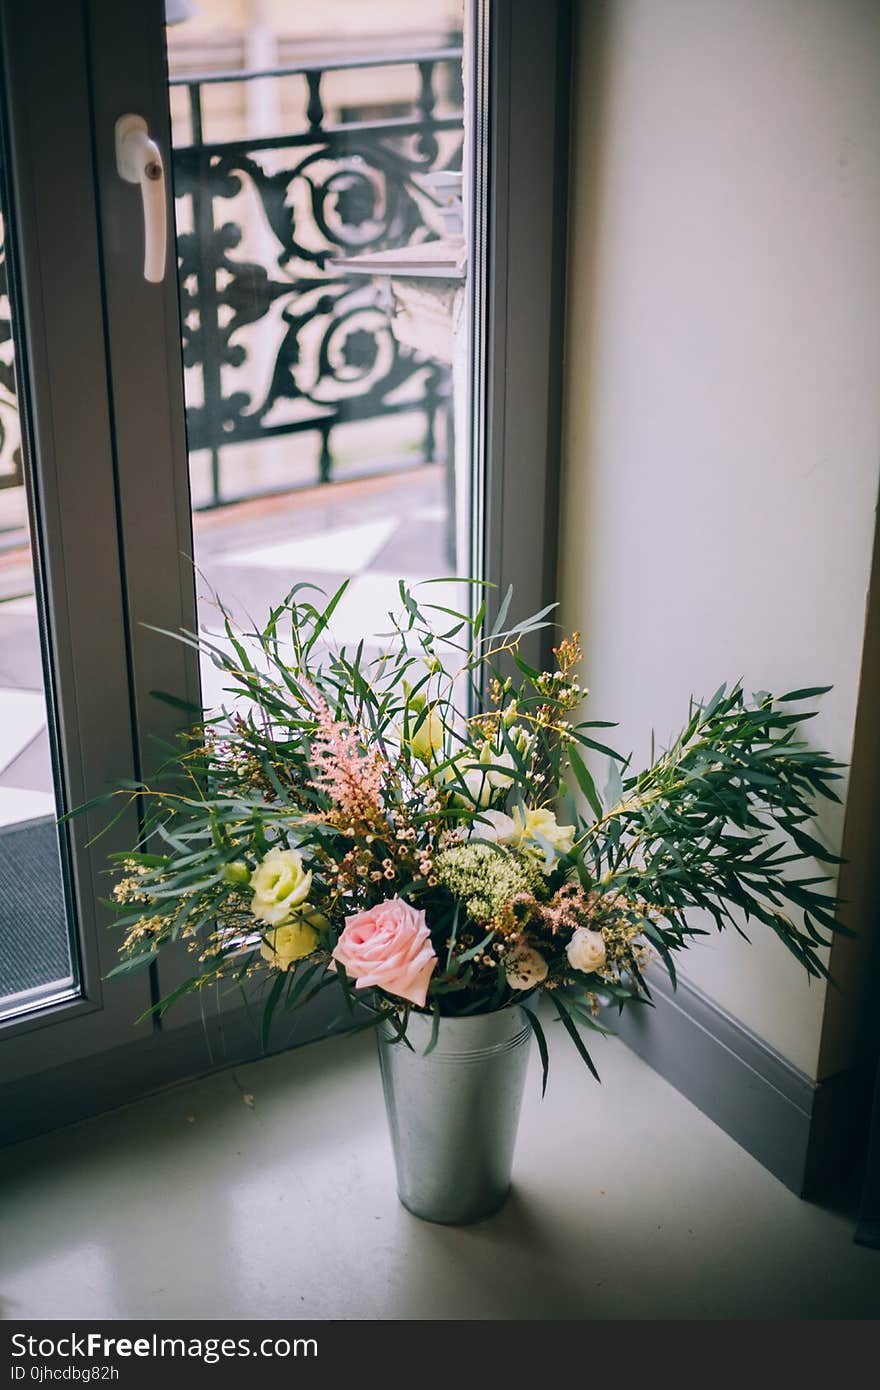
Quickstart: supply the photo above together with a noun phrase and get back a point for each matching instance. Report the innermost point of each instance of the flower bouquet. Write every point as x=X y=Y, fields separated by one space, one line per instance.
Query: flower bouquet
x=419 y=830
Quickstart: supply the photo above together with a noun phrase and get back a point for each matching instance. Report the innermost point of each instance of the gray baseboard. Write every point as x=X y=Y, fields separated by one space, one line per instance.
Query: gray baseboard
x=807 y=1133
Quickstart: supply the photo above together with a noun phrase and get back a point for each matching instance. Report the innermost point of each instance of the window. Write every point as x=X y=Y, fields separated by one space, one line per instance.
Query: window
x=354 y=371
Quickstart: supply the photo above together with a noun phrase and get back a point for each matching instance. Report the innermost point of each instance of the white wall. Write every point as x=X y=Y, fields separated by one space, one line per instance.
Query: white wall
x=723 y=382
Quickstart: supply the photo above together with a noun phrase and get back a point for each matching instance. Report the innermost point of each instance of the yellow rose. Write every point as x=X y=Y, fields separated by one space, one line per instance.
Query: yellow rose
x=295 y=940
x=425 y=738
x=540 y=833
x=280 y=885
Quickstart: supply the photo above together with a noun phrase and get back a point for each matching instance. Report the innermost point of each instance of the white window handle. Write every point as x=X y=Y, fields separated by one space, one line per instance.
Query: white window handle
x=138 y=160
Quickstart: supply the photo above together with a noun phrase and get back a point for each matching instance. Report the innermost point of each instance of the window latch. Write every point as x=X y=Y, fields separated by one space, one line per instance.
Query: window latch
x=139 y=160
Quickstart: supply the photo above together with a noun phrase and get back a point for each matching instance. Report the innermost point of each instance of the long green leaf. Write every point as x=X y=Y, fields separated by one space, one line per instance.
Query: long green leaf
x=585 y=780
x=271 y=1005
x=543 y=1050
x=571 y=1029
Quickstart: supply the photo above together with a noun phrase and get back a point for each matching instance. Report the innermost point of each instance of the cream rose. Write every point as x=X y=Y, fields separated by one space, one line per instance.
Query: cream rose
x=283 y=946
x=389 y=948
x=586 y=950
x=539 y=833
x=280 y=885
x=525 y=968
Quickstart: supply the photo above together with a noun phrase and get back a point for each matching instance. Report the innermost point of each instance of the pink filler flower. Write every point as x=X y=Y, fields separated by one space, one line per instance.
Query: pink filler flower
x=389 y=947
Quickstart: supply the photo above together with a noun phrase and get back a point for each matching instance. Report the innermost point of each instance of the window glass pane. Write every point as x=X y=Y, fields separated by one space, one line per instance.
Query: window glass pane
x=37 y=964
x=318 y=157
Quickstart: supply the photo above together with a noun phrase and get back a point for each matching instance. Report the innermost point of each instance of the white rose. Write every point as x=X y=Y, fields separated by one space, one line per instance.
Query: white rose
x=586 y=950
x=494 y=826
x=497 y=777
x=280 y=884
x=489 y=774
x=478 y=787
x=525 y=968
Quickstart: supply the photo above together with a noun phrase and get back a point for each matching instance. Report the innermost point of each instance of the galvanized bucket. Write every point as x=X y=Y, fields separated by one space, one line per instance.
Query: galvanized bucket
x=453 y=1113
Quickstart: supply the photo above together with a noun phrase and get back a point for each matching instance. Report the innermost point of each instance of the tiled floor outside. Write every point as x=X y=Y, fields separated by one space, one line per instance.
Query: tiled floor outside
x=375 y=531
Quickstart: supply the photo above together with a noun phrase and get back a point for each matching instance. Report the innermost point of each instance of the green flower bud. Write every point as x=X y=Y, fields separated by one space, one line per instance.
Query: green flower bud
x=237 y=873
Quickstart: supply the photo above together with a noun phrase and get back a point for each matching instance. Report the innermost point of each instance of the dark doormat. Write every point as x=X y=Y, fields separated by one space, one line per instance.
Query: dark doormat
x=34 y=947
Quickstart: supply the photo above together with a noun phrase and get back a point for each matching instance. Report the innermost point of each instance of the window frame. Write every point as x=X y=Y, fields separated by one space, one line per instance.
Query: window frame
x=520 y=429
x=55 y=294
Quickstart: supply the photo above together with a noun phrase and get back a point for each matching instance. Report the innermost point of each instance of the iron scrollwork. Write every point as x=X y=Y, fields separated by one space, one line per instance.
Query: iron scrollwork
x=324 y=191
x=11 y=474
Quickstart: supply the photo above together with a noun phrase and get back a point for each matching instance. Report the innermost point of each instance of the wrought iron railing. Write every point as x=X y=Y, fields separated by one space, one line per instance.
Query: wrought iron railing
x=337 y=186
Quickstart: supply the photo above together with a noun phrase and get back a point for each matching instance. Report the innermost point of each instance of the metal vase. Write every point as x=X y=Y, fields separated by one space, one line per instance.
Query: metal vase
x=453 y=1113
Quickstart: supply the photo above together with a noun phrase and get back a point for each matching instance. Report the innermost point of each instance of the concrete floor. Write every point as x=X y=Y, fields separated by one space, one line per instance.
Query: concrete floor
x=268 y=1192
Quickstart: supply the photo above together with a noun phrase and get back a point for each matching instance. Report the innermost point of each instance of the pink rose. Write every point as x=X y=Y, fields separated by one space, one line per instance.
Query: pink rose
x=389 y=947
